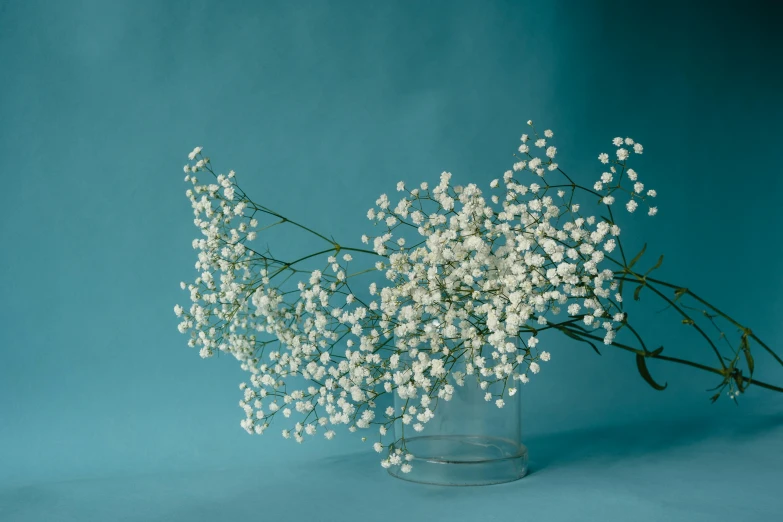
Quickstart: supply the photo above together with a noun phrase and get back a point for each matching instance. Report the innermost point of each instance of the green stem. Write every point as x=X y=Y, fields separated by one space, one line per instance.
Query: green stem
x=641 y=280
x=677 y=360
x=714 y=309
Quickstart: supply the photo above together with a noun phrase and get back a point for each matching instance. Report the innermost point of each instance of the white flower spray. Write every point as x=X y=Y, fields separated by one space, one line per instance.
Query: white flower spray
x=471 y=280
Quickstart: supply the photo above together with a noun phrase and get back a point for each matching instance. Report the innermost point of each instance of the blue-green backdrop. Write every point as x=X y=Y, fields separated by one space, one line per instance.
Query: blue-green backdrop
x=319 y=107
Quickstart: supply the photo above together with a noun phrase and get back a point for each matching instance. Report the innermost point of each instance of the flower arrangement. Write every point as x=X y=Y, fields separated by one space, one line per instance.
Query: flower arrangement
x=468 y=282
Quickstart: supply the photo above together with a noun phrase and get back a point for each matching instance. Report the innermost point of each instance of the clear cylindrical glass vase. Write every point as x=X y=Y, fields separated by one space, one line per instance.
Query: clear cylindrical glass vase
x=470 y=441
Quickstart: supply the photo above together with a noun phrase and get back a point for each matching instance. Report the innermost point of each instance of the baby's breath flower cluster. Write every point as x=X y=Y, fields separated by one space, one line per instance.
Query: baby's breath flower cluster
x=470 y=280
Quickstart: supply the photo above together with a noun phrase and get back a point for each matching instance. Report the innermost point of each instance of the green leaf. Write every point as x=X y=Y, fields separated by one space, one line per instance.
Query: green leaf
x=638 y=291
x=657 y=265
x=638 y=256
x=656 y=352
x=641 y=364
x=595 y=349
x=715 y=397
x=679 y=293
x=749 y=360
x=745 y=345
x=740 y=381
x=574 y=336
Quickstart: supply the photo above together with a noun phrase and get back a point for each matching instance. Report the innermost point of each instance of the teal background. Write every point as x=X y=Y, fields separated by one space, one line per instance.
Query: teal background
x=105 y=414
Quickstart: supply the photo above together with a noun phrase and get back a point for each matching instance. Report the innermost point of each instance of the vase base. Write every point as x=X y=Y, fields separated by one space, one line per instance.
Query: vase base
x=464 y=460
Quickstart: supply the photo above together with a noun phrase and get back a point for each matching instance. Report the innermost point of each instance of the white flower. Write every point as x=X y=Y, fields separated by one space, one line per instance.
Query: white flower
x=603 y=158
x=545 y=356
x=638 y=187
x=400 y=186
x=631 y=205
x=378 y=447
x=540 y=142
x=534 y=367
x=534 y=163
x=637 y=148
x=652 y=211
x=608 y=200
x=406 y=468
x=195 y=152
x=548 y=133
x=551 y=151
x=622 y=154
x=500 y=403
x=632 y=174
x=618 y=142
x=652 y=193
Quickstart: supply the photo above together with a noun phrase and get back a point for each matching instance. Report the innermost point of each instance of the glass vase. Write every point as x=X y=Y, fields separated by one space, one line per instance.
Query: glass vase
x=470 y=441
